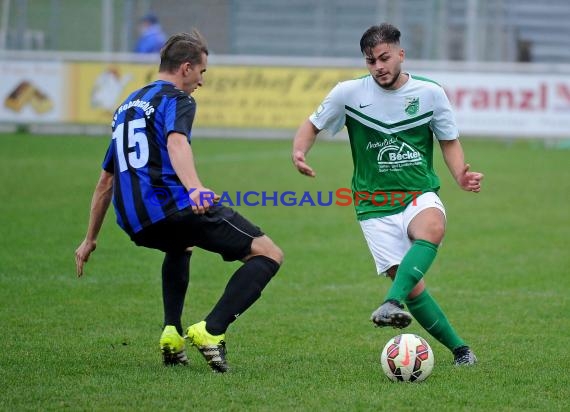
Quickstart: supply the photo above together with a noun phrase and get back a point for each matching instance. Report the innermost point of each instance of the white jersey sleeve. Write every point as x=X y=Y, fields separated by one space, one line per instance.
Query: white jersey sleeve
x=443 y=121
x=330 y=115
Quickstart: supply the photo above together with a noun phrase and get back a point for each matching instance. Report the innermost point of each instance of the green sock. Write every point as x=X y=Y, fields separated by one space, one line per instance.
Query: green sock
x=428 y=314
x=412 y=268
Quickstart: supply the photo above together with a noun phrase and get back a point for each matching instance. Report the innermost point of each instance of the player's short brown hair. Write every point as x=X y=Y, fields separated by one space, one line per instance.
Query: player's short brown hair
x=384 y=33
x=181 y=48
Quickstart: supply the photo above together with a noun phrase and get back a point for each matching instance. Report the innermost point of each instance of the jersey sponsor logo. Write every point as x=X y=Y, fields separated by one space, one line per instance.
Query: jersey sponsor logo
x=394 y=156
x=362 y=106
x=383 y=143
x=412 y=105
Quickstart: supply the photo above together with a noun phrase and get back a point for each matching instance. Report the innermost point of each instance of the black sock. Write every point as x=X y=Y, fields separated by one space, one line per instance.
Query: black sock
x=175 y=277
x=242 y=290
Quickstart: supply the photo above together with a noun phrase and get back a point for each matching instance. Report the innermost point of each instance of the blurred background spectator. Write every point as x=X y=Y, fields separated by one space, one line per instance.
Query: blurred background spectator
x=151 y=37
x=459 y=30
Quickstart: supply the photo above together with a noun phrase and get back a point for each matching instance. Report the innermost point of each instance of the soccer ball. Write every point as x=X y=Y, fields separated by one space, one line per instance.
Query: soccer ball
x=407 y=357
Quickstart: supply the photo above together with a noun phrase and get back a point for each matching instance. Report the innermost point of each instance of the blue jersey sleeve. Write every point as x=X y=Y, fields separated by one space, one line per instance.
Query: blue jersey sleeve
x=179 y=117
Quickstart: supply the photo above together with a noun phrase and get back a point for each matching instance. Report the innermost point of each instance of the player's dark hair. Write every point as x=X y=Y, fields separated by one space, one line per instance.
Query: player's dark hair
x=181 y=48
x=384 y=33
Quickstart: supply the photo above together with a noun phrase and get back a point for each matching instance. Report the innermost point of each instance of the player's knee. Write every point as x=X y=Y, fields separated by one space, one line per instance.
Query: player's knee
x=438 y=231
x=433 y=232
x=428 y=225
x=264 y=246
x=276 y=254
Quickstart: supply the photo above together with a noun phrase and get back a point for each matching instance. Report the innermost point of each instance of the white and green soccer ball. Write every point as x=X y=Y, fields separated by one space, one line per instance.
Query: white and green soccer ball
x=407 y=357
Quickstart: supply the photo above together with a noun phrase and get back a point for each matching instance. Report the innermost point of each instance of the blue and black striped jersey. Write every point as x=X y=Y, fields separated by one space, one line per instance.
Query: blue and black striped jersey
x=146 y=188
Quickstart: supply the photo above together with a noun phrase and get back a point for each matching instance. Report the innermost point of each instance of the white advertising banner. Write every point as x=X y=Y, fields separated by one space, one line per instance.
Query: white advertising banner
x=512 y=105
x=32 y=92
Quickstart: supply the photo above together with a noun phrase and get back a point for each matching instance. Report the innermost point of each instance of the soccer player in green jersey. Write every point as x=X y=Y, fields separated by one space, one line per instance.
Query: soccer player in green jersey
x=391 y=117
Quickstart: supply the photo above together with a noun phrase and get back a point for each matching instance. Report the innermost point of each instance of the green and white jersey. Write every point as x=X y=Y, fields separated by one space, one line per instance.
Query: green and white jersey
x=391 y=137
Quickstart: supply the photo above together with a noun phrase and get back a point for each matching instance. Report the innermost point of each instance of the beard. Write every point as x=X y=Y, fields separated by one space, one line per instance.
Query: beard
x=388 y=84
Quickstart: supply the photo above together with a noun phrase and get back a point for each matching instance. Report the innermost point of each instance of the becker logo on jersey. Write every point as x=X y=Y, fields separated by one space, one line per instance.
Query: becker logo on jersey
x=397 y=156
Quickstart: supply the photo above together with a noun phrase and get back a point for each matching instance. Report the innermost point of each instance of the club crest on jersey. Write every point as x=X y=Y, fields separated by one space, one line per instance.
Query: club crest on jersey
x=412 y=105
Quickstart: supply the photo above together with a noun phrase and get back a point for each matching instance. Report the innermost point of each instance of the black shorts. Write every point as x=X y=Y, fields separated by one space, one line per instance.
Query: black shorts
x=221 y=230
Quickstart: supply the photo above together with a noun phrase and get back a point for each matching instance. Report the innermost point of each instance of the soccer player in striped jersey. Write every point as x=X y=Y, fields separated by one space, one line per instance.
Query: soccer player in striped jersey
x=161 y=203
x=391 y=117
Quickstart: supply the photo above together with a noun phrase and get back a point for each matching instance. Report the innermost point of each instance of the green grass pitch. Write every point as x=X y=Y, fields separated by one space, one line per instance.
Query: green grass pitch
x=502 y=276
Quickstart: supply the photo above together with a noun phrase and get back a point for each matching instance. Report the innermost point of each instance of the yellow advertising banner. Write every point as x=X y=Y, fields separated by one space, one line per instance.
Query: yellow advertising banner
x=232 y=97
x=264 y=97
x=99 y=88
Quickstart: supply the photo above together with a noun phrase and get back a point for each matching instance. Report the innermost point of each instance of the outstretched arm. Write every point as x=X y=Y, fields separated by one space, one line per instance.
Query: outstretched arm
x=455 y=160
x=302 y=143
x=99 y=204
